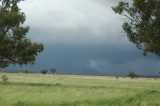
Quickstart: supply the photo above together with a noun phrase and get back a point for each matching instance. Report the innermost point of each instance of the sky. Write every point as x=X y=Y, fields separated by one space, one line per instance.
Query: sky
x=84 y=37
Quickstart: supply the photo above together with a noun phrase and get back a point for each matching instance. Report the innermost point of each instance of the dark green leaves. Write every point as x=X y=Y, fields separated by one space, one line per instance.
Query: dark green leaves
x=15 y=47
x=142 y=23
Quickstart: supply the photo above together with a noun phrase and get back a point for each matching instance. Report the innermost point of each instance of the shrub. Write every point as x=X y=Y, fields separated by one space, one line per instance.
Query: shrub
x=44 y=72
x=117 y=77
x=4 y=79
x=20 y=103
x=132 y=75
x=26 y=71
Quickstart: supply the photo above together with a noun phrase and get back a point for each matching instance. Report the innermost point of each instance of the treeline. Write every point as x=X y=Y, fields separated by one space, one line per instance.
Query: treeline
x=44 y=71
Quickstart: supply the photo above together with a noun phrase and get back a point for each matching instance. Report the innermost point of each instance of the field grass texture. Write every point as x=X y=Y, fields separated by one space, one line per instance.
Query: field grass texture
x=71 y=90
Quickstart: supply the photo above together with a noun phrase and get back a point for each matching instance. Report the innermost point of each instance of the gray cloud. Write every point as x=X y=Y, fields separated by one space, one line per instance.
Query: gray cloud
x=83 y=36
x=96 y=59
x=72 y=21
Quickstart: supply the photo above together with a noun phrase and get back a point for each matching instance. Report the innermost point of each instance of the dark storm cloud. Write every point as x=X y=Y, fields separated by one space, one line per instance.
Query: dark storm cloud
x=83 y=36
x=97 y=59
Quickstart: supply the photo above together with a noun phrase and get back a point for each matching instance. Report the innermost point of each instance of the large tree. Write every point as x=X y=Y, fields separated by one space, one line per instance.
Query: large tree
x=15 y=47
x=141 y=23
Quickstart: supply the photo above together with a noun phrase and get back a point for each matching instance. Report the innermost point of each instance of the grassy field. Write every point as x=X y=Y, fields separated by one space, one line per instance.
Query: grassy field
x=61 y=90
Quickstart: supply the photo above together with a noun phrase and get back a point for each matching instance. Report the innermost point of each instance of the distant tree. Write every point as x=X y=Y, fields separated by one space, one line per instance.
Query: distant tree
x=124 y=76
x=132 y=75
x=44 y=72
x=141 y=23
x=26 y=71
x=4 y=79
x=117 y=77
x=15 y=47
x=53 y=71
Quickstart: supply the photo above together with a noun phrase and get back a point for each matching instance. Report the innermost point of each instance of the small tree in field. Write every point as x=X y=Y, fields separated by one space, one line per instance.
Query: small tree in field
x=53 y=71
x=4 y=79
x=117 y=77
x=44 y=72
x=132 y=75
x=26 y=71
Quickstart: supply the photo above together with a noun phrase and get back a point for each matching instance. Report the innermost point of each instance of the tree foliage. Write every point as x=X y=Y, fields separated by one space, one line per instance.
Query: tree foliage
x=142 y=23
x=15 y=47
x=132 y=75
x=44 y=71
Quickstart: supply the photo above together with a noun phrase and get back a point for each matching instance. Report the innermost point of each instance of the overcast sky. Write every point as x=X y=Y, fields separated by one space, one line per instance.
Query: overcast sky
x=83 y=36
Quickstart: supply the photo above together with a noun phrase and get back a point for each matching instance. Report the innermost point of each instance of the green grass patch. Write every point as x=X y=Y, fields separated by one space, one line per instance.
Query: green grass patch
x=61 y=90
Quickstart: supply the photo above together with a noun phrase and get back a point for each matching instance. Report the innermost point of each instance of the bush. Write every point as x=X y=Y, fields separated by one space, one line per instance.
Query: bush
x=44 y=72
x=117 y=77
x=132 y=75
x=4 y=79
x=20 y=103
x=26 y=71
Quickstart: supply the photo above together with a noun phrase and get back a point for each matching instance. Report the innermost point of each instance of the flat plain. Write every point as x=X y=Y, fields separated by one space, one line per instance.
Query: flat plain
x=74 y=90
